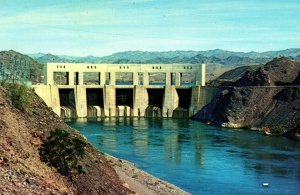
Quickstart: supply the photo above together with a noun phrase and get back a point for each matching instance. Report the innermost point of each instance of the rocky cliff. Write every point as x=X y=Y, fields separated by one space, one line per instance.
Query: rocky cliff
x=22 y=170
x=268 y=98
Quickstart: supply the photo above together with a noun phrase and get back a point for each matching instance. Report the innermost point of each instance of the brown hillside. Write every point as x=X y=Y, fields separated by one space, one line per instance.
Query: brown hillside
x=22 y=171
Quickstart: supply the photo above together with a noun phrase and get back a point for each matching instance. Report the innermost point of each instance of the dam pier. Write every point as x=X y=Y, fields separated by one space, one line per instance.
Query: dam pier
x=131 y=90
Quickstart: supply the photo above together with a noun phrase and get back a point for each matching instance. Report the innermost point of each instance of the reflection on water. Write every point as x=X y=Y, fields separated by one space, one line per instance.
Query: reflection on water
x=172 y=147
x=197 y=157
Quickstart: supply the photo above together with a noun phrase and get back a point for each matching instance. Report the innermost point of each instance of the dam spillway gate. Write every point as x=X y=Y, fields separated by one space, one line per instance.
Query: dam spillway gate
x=129 y=90
x=95 y=103
x=67 y=103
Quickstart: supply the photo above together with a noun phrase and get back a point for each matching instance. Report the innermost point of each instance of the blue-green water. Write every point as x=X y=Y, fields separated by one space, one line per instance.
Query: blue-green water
x=199 y=158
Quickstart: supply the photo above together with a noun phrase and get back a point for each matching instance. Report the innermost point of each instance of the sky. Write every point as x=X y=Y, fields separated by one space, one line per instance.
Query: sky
x=103 y=27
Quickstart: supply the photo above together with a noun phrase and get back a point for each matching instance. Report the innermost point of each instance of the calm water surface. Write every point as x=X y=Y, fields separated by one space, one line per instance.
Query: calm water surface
x=198 y=158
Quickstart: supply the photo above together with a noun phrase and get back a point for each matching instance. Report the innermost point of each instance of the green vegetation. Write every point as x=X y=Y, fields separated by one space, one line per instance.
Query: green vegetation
x=63 y=151
x=18 y=94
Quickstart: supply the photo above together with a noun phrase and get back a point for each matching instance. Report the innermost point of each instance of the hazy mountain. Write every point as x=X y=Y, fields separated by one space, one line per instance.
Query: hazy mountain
x=268 y=54
x=36 y=55
x=73 y=58
x=146 y=56
x=216 y=56
x=217 y=53
x=52 y=58
x=287 y=52
x=89 y=59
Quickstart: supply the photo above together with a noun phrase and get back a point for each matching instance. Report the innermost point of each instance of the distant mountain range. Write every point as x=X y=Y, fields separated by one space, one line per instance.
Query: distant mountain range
x=216 y=56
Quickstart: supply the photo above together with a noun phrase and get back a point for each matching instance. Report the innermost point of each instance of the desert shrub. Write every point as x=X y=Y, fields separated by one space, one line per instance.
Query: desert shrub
x=18 y=94
x=63 y=151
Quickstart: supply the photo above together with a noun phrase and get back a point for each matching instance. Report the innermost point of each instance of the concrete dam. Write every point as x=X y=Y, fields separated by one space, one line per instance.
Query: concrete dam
x=126 y=90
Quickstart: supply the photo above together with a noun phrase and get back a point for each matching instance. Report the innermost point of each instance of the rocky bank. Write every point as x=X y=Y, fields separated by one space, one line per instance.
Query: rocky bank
x=267 y=99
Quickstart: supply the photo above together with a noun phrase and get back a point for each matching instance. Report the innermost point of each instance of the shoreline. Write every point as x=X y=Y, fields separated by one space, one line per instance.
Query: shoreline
x=140 y=181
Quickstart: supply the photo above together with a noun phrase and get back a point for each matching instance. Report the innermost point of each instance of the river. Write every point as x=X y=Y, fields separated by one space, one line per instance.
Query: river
x=199 y=158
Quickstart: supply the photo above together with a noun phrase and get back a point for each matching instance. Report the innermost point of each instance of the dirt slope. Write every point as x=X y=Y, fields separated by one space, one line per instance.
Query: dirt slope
x=22 y=171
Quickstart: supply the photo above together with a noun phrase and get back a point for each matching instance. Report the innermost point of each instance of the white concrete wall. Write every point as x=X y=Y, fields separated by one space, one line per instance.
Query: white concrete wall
x=80 y=101
x=199 y=70
x=195 y=98
x=203 y=72
x=50 y=95
x=140 y=100
x=109 y=100
x=170 y=102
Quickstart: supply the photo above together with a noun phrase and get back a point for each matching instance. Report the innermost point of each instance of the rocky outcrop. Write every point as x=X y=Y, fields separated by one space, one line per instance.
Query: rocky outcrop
x=268 y=98
x=256 y=78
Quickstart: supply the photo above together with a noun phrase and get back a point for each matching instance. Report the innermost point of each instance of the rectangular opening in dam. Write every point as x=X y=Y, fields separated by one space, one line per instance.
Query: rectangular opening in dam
x=157 y=78
x=155 y=97
x=124 y=97
x=61 y=78
x=124 y=78
x=67 y=97
x=76 y=78
x=94 y=97
x=184 y=97
x=91 y=78
x=188 y=79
